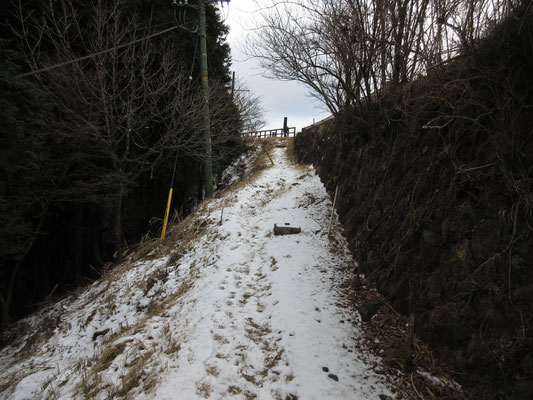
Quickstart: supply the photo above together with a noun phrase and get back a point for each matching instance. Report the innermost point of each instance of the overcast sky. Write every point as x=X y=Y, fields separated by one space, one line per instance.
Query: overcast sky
x=279 y=98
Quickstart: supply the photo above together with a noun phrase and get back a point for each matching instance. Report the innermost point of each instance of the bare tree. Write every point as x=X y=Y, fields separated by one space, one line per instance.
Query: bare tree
x=348 y=50
x=289 y=45
x=126 y=109
x=250 y=108
x=342 y=50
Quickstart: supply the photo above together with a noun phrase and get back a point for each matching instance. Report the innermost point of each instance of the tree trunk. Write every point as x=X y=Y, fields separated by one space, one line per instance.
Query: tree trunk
x=200 y=183
x=5 y=300
x=117 y=226
x=410 y=344
x=78 y=244
x=398 y=25
x=94 y=243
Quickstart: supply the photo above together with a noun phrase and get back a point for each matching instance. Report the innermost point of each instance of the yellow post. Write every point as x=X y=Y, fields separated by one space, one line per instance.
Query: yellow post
x=164 y=232
x=53 y=290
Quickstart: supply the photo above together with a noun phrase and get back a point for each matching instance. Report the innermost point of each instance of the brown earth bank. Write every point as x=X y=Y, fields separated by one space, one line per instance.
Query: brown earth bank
x=435 y=194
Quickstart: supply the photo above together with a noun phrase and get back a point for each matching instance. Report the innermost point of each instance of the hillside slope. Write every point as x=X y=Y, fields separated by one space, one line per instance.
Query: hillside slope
x=223 y=308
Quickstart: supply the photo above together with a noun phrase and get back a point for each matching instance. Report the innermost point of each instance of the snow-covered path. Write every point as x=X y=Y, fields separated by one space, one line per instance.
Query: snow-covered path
x=243 y=314
x=270 y=323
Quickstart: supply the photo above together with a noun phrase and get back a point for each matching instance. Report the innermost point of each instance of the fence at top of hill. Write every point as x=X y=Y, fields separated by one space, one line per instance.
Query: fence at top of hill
x=280 y=132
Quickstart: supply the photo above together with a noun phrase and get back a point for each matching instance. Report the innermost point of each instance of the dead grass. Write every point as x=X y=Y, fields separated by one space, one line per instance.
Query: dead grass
x=273 y=264
x=174 y=258
x=136 y=377
x=250 y=378
x=204 y=389
x=272 y=194
x=171 y=344
x=255 y=331
x=220 y=339
x=249 y=395
x=290 y=151
x=179 y=237
x=291 y=156
x=260 y=164
x=51 y=393
x=389 y=328
x=108 y=356
x=89 y=384
x=182 y=235
x=149 y=280
x=271 y=362
x=93 y=381
x=234 y=390
x=156 y=307
x=268 y=144
x=10 y=382
x=145 y=248
x=185 y=286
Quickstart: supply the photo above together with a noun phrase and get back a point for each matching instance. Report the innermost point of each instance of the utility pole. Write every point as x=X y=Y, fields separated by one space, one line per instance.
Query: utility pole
x=206 y=126
x=233 y=85
x=208 y=163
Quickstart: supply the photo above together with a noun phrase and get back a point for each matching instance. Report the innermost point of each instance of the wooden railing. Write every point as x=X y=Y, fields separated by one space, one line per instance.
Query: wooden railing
x=281 y=132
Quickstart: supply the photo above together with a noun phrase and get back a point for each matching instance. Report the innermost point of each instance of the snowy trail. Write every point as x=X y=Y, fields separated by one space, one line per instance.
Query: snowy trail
x=243 y=314
x=271 y=321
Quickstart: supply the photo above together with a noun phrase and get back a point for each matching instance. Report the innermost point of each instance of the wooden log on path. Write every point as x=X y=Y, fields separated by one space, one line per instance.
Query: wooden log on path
x=286 y=230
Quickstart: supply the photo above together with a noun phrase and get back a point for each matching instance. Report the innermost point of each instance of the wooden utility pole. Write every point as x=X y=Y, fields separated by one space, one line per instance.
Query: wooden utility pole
x=233 y=85
x=208 y=163
x=206 y=125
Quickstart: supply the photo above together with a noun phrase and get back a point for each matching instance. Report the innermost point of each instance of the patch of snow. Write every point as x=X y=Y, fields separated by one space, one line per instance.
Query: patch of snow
x=440 y=381
x=242 y=313
x=238 y=169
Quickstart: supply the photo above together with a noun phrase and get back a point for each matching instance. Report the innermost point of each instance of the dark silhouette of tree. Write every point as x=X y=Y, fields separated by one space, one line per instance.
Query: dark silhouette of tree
x=90 y=164
x=23 y=200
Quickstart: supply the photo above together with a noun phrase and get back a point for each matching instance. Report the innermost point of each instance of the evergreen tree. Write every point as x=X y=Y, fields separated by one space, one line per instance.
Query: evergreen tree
x=83 y=171
x=22 y=199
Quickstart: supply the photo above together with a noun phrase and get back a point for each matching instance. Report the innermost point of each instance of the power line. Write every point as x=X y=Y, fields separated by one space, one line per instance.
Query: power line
x=38 y=71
